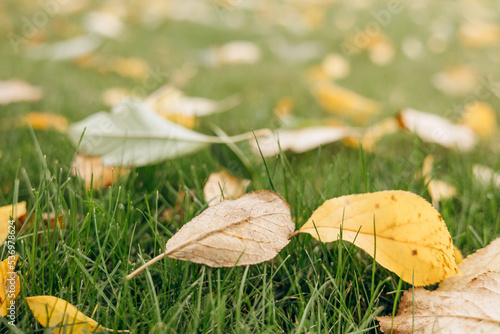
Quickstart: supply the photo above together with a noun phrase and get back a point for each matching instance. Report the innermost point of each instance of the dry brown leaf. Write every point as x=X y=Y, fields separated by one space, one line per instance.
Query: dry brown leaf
x=223 y=185
x=481 y=118
x=248 y=230
x=373 y=134
x=407 y=234
x=343 y=102
x=486 y=175
x=92 y=171
x=300 y=140
x=482 y=261
x=9 y=286
x=17 y=91
x=436 y=129
x=45 y=121
x=467 y=304
x=14 y=211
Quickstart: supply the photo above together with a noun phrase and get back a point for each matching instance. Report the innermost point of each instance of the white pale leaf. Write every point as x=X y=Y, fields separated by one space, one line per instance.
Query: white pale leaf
x=134 y=135
x=68 y=49
x=436 y=129
x=301 y=140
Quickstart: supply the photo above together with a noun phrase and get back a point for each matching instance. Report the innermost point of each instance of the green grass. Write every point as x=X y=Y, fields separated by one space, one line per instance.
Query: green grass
x=309 y=287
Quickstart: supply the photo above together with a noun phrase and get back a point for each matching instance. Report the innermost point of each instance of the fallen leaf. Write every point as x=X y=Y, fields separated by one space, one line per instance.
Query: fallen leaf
x=299 y=140
x=45 y=121
x=115 y=95
x=135 y=68
x=94 y=174
x=6 y=212
x=436 y=129
x=335 y=66
x=170 y=101
x=248 y=230
x=18 y=91
x=467 y=304
x=438 y=189
x=484 y=260
x=236 y=52
x=381 y=51
x=479 y=34
x=486 y=176
x=60 y=315
x=133 y=135
x=343 y=102
x=458 y=256
x=457 y=80
x=411 y=237
x=223 y=185
x=103 y=23
x=284 y=106
x=9 y=286
x=481 y=118
x=373 y=134
x=67 y=49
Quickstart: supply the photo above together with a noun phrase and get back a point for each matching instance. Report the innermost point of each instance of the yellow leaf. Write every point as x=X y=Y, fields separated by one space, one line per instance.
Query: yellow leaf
x=45 y=121
x=481 y=118
x=343 y=102
x=479 y=34
x=458 y=255
x=411 y=237
x=10 y=285
x=59 y=314
x=6 y=212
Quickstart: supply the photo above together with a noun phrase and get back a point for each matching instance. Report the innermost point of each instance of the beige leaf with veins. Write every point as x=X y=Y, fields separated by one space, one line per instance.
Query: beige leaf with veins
x=484 y=260
x=474 y=309
x=467 y=304
x=248 y=230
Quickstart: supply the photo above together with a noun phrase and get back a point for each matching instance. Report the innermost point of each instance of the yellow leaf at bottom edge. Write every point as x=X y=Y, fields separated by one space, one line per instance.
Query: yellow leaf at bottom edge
x=9 y=284
x=65 y=318
x=411 y=237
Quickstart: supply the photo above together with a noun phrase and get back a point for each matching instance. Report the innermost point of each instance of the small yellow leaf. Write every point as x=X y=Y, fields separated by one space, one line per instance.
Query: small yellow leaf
x=60 y=315
x=481 y=118
x=45 y=121
x=343 y=102
x=411 y=237
x=6 y=212
x=10 y=285
x=479 y=34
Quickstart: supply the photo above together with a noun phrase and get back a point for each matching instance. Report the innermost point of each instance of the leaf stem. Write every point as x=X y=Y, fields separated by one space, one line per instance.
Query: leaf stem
x=145 y=265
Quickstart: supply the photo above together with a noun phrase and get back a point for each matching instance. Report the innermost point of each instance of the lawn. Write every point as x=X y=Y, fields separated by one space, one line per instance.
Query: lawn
x=310 y=287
